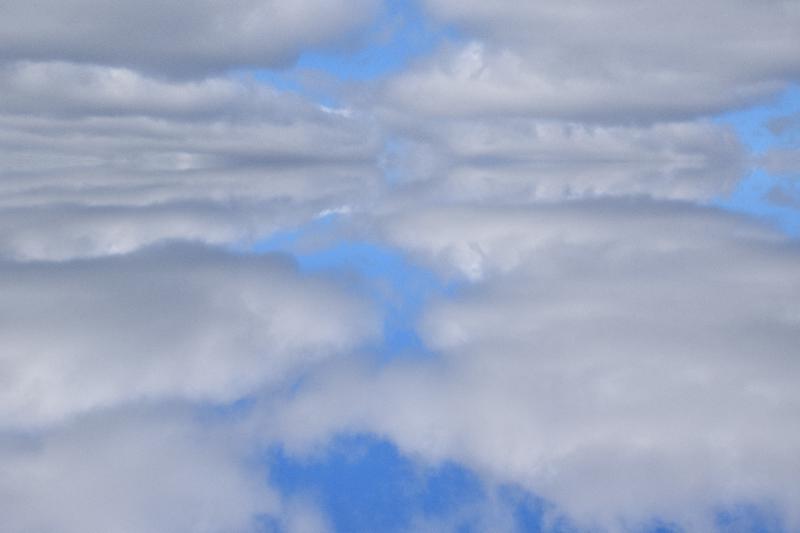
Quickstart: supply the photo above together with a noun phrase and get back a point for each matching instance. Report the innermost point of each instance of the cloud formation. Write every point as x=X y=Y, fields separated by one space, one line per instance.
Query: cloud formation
x=178 y=38
x=100 y=160
x=624 y=61
x=521 y=160
x=131 y=471
x=625 y=360
x=169 y=323
x=608 y=340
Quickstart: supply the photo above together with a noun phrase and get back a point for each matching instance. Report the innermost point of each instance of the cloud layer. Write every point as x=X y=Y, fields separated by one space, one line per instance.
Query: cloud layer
x=625 y=61
x=101 y=160
x=177 y=38
x=602 y=336
x=167 y=323
x=624 y=360
x=131 y=471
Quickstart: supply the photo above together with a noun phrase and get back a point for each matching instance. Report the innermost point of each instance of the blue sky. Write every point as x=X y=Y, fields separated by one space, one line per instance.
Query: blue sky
x=752 y=126
x=399 y=265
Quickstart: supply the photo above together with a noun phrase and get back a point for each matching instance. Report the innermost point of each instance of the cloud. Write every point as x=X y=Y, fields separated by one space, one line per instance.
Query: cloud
x=132 y=471
x=783 y=162
x=541 y=102
x=175 y=38
x=484 y=241
x=303 y=516
x=520 y=160
x=783 y=196
x=610 y=343
x=176 y=322
x=620 y=62
x=624 y=360
x=101 y=160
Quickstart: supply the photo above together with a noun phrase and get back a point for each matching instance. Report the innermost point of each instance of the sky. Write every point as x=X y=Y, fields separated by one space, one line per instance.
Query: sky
x=399 y=266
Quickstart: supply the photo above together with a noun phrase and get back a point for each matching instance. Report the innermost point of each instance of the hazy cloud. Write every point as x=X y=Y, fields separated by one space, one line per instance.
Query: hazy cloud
x=625 y=360
x=522 y=160
x=174 y=322
x=131 y=471
x=611 y=342
x=177 y=38
x=618 y=62
x=100 y=160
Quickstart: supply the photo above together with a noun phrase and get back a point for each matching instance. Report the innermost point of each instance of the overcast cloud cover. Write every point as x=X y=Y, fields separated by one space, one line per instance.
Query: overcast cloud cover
x=609 y=321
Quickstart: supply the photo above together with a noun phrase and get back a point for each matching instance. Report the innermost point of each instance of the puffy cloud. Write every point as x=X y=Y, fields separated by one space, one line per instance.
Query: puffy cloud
x=178 y=38
x=618 y=62
x=167 y=323
x=623 y=359
x=131 y=472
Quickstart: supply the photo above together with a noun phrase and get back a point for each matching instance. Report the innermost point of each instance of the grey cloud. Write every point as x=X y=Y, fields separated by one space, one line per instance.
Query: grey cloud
x=132 y=472
x=483 y=241
x=783 y=162
x=646 y=346
x=60 y=106
x=173 y=322
x=177 y=38
x=65 y=89
x=785 y=124
x=63 y=231
x=784 y=197
x=621 y=61
x=521 y=160
x=624 y=360
x=100 y=160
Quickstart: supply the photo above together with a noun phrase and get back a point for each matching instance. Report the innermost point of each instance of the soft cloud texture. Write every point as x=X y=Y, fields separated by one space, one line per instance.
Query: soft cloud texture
x=99 y=160
x=131 y=471
x=622 y=61
x=168 y=323
x=522 y=160
x=602 y=337
x=177 y=37
x=625 y=360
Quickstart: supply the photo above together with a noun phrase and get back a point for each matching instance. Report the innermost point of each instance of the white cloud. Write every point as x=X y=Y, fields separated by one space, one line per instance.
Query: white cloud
x=624 y=356
x=624 y=360
x=174 y=322
x=620 y=61
x=131 y=472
